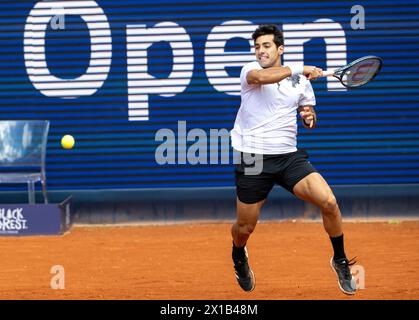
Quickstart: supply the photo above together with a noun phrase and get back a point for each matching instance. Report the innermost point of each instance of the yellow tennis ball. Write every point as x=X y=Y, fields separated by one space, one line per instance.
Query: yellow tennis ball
x=67 y=141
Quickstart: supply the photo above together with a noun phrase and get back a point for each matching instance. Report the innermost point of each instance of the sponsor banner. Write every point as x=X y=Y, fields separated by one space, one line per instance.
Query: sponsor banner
x=38 y=219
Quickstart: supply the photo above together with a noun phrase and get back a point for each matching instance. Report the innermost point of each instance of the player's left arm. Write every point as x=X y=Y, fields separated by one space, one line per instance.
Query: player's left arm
x=308 y=116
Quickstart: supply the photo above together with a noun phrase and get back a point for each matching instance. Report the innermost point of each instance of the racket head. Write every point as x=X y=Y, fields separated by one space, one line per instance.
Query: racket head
x=360 y=71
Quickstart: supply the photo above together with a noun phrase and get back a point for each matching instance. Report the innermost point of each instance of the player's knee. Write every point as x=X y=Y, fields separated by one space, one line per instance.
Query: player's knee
x=246 y=229
x=330 y=206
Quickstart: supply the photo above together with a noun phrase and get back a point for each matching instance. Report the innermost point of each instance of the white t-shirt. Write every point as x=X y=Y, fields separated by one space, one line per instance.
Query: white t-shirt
x=266 y=122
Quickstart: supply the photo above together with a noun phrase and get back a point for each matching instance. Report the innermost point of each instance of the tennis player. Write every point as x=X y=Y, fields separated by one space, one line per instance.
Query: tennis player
x=266 y=125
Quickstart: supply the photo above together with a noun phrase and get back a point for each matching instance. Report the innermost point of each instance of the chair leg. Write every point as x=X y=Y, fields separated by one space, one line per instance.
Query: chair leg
x=44 y=191
x=31 y=192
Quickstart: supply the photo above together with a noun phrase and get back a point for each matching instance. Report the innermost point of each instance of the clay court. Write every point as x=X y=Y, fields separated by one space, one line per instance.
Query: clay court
x=192 y=261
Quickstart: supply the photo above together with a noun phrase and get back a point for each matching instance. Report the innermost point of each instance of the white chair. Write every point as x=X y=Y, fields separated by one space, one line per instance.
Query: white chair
x=23 y=146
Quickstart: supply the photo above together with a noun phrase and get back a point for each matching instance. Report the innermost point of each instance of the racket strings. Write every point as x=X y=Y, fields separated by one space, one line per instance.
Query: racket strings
x=361 y=73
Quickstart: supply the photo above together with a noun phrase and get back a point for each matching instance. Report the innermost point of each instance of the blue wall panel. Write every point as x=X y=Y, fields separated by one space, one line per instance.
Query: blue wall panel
x=364 y=136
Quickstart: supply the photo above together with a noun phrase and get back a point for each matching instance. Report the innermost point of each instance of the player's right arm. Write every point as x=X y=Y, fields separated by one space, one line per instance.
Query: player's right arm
x=276 y=74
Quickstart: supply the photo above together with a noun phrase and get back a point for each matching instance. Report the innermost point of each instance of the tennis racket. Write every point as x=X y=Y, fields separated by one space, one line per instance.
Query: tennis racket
x=357 y=73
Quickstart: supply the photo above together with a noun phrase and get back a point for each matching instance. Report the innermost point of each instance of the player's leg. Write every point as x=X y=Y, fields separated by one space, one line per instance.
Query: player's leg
x=252 y=191
x=247 y=216
x=314 y=189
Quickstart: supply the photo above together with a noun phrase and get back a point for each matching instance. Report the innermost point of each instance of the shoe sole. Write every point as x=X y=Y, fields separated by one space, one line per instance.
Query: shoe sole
x=254 y=281
x=340 y=287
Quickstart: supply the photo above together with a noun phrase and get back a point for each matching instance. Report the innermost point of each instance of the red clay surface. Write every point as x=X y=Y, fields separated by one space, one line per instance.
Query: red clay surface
x=192 y=261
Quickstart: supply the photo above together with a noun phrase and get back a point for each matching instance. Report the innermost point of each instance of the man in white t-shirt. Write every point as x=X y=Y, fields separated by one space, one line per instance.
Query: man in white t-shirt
x=266 y=127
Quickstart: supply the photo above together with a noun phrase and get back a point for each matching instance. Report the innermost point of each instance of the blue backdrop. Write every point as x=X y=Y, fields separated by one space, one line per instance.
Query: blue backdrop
x=364 y=136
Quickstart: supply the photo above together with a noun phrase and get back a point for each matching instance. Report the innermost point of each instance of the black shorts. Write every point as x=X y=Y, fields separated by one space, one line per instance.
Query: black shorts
x=284 y=169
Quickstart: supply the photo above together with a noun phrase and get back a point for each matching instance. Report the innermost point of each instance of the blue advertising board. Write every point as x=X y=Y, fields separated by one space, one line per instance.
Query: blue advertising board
x=114 y=73
x=35 y=219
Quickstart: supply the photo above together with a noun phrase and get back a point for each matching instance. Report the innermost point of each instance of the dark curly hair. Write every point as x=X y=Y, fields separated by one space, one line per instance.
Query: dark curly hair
x=265 y=29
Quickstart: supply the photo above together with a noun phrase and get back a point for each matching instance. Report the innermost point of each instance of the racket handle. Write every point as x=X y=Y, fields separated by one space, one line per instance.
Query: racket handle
x=328 y=72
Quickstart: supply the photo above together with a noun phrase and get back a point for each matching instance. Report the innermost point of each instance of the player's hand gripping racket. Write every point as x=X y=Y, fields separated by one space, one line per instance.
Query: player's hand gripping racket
x=358 y=72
